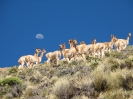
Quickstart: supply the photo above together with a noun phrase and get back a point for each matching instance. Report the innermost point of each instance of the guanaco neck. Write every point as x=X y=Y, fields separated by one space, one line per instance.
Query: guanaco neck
x=41 y=55
x=93 y=46
x=112 y=41
x=128 y=37
x=36 y=54
x=62 y=50
x=75 y=46
x=71 y=45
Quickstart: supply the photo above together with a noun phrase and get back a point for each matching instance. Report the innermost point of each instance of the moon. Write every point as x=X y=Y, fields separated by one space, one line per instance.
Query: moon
x=39 y=36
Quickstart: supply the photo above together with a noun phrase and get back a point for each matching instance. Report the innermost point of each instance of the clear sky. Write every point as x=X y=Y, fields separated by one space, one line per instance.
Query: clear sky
x=59 y=21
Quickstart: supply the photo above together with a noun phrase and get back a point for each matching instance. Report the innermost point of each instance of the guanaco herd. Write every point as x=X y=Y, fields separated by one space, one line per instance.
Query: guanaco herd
x=75 y=52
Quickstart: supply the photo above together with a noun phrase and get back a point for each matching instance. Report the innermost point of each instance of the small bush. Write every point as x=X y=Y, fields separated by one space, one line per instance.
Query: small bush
x=4 y=89
x=29 y=93
x=8 y=96
x=127 y=80
x=82 y=85
x=17 y=90
x=100 y=82
x=129 y=63
x=80 y=97
x=13 y=70
x=107 y=54
x=115 y=94
x=35 y=80
x=113 y=64
x=29 y=72
x=114 y=80
x=10 y=81
x=73 y=63
x=94 y=65
x=61 y=89
x=119 y=55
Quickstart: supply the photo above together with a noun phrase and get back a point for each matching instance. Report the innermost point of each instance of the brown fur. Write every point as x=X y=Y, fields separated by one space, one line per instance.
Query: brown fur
x=53 y=56
x=121 y=44
x=109 y=45
x=34 y=60
x=71 y=53
x=23 y=59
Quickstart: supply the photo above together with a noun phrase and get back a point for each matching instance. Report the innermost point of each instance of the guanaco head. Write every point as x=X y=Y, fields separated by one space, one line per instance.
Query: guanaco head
x=43 y=51
x=129 y=34
x=37 y=50
x=62 y=46
x=115 y=39
x=94 y=41
x=70 y=41
x=74 y=42
x=112 y=36
x=82 y=42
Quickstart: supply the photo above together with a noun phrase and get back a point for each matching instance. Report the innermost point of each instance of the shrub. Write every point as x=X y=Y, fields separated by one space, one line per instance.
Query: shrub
x=4 y=89
x=13 y=70
x=94 y=65
x=82 y=85
x=29 y=93
x=17 y=90
x=114 y=80
x=10 y=81
x=99 y=79
x=29 y=72
x=61 y=89
x=107 y=54
x=119 y=55
x=100 y=82
x=80 y=97
x=73 y=63
x=115 y=94
x=129 y=63
x=35 y=80
x=127 y=79
x=113 y=64
x=8 y=96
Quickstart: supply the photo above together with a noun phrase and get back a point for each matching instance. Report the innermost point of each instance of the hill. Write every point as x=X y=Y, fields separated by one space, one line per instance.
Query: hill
x=108 y=78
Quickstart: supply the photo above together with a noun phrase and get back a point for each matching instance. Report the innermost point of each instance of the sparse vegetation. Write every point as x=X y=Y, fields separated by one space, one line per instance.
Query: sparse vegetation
x=108 y=78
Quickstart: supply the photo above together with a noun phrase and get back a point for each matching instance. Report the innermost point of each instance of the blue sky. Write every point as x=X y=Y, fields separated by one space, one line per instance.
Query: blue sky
x=59 y=21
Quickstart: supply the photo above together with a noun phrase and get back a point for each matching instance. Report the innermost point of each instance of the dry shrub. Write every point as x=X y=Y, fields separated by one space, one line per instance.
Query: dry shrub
x=99 y=77
x=36 y=78
x=114 y=80
x=120 y=79
x=80 y=97
x=115 y=94
x=61 y=89
x=82 y=85
x=127 y=79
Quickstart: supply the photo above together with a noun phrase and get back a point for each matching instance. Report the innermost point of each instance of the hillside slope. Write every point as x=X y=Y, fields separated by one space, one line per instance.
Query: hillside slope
x=108 y=78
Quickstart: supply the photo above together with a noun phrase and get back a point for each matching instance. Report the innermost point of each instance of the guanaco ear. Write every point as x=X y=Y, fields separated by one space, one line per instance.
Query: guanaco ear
x=112 y=36
x=129 y=34
x=43 y=50
x=69 y=41
x=95 y=40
